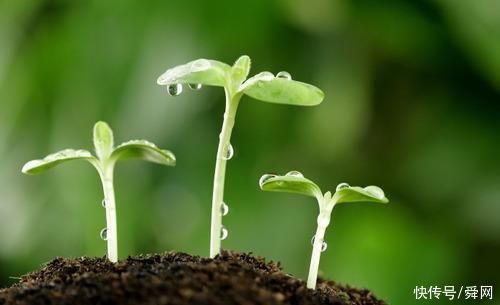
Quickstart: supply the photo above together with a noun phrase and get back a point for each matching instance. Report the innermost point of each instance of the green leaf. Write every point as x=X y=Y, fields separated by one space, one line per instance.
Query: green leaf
x=292 y=182
x=268 y=88
x=144 y=150
x=240 y=69
x=103 y=140
x=358 y=194
x=38 y=166
x=201 y=71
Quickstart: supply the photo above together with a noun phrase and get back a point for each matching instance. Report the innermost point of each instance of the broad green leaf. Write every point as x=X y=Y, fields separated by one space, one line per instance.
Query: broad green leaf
x=144 y=150
x=103 y=140
x=358 y=194
x=38 y=166
x=201 y=71
x=268 y=88
x=292 y=182
x=240 y=69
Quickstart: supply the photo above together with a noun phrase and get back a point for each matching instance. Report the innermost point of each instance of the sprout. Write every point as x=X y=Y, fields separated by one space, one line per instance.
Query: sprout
x=263 y=86
x=294 y=182
x=107 y=155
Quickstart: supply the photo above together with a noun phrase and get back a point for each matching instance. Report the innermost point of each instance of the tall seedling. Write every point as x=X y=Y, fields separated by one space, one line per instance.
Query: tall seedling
x=264 y=86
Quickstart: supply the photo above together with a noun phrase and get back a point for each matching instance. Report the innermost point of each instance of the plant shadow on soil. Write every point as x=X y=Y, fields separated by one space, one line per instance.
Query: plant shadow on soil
x=175 y=278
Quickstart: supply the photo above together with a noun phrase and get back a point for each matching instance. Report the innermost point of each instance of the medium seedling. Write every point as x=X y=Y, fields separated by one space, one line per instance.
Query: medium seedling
x=104 y=163
x=264 y=86
x=295 y=182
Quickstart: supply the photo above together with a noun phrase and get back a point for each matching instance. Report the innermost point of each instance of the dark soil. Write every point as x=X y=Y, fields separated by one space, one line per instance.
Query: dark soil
x=177 y=279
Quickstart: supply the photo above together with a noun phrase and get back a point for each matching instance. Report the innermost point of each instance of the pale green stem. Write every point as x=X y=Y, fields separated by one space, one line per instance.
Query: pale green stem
x=220 y=172
x=323 y=221
x=106 y=174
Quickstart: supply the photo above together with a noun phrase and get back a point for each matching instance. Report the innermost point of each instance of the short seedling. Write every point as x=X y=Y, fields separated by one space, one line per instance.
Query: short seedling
x=107 y=155
x=264 y=86
x=294 y=182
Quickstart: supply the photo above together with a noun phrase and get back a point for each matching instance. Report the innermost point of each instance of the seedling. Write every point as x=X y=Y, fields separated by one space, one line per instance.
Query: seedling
x=295 y=182
x=264 y=86
x=104 y=163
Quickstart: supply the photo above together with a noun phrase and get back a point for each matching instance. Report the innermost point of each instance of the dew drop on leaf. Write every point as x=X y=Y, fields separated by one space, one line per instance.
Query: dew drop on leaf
x=266 y=76
x=224 y=209
x=375 y=191
x=104 y=234
x=194 y=86
x=341 y=186
x=223 y=233
x=229 y=152
x=284 y=75
x=295 y=174
x=264 y=178
x=174 y=89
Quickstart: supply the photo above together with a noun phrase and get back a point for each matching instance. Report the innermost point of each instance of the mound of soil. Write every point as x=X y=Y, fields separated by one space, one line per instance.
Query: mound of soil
x=175 y=279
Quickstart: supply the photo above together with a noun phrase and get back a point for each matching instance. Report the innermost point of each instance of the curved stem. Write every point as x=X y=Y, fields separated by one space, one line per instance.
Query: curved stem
x=220 y=172
x=106 y=175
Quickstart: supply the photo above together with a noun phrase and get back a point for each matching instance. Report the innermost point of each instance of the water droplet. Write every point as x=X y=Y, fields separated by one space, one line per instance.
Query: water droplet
x=104 y=234
x=341 y=186
x=229 y=152
x=103 y=203
x=284 y=75
x=324 y=245
x=224 y=209
x=174 y=89
x=266 y=76
x=194 y=86
x=223 y=233
x=264 y=178
x=375 y=191
x=295 y=174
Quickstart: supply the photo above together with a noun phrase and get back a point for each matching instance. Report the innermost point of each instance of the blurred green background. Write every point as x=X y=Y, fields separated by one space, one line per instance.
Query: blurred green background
x=412 y=105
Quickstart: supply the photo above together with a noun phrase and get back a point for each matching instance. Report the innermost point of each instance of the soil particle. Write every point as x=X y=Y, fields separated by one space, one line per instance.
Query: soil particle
x=175 y=279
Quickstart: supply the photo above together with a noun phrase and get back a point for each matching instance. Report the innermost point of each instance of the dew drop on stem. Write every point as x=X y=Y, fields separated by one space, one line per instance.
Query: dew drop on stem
x=223 y=233
x=341 y=186
x=103 y=203
x=324 y=245
x=224 y=209
x=174 y=89
x=228 y=152
x=194 y=86
x=284 y=75
x=104 y=234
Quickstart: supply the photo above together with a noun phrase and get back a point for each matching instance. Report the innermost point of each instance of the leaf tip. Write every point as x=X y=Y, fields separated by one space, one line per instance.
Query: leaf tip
x=29 y=166
x=243 y=60
x=240 y=69
x=161 y=80
x=172 y=160
x=103 y=139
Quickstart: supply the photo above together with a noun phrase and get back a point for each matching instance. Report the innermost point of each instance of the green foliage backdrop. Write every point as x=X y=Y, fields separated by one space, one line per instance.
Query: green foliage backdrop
x=412 y=104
